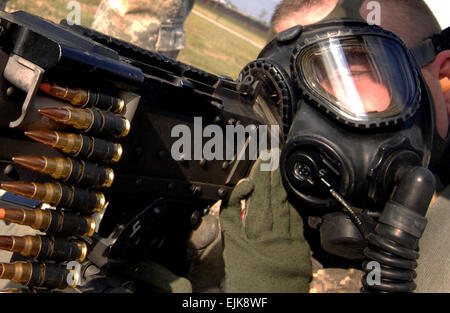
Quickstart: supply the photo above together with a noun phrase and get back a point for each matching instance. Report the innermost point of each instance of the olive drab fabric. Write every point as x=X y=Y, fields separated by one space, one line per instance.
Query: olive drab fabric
x=264 y=246
x=155 y=25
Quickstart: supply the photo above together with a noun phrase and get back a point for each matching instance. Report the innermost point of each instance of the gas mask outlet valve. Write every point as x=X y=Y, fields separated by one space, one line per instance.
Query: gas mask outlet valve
x=395 y=240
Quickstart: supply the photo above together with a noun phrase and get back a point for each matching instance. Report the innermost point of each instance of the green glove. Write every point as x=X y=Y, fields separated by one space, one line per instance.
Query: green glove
x=266 y=251
x=159 y=279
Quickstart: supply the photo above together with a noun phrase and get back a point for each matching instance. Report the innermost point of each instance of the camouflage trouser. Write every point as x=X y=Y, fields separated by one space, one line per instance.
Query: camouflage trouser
x=153 y=25
x=3 y=4
x=335 y=280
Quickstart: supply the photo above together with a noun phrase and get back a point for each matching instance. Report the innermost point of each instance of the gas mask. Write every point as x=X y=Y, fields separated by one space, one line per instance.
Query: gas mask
x=358 y=126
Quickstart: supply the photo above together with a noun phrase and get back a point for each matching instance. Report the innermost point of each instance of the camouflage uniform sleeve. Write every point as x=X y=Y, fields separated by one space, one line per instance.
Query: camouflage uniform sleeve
x=155 y=25
x=336 y=280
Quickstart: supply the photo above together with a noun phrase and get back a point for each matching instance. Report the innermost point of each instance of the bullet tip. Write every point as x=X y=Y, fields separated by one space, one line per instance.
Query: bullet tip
x=45 y=137
x=35 y=163
x=55 y=113
x=4 y=186
x=30 y=162
x=45 y=87
x=24 y=189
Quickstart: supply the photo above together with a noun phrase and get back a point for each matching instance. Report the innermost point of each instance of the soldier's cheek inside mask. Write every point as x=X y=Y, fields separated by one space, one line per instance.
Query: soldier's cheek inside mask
x=353 y=83
x=359 y=92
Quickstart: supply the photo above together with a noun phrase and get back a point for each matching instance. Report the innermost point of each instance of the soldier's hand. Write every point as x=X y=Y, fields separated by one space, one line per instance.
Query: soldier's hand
x=264 y=246
x=157 y=278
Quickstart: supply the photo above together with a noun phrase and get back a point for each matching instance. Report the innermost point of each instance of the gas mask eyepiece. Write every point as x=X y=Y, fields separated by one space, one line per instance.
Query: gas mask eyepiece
x=362 y=80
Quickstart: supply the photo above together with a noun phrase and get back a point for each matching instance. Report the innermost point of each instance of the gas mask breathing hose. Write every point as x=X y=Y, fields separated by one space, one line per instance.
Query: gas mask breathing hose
x=394 y=242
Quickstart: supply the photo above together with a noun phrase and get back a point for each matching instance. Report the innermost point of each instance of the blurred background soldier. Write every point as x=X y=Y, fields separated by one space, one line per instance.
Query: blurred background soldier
x=3 y=5
x=155 y=25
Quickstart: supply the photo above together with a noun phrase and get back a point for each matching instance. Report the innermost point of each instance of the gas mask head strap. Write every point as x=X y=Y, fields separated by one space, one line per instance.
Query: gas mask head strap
x=426 y=51
x=346 y=9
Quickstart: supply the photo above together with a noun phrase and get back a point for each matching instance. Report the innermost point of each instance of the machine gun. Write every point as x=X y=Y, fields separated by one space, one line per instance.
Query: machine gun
x=86 y=126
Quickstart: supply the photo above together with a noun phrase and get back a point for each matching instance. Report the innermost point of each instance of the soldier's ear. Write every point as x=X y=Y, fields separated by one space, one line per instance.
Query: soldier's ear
x=445 y=86
x=440 y=67
x=434 y=72
x=443 y=67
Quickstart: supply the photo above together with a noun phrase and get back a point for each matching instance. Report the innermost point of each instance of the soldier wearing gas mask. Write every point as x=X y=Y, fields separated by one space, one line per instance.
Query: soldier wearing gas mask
x=363 y=117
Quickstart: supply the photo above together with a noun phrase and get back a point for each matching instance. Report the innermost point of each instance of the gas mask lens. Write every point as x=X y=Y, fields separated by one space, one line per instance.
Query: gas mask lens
x=360 y=77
